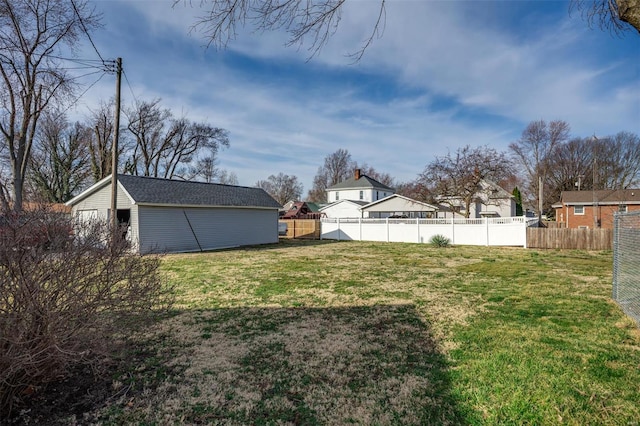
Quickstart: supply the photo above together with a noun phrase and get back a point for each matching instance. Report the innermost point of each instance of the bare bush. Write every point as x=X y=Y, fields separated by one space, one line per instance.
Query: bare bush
x=65 y=288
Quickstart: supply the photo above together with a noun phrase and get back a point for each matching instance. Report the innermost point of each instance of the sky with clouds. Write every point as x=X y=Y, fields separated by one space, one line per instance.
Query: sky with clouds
x=444 y=74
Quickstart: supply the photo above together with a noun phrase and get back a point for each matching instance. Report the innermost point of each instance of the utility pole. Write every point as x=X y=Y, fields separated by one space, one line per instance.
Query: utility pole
x=595 y=180
x=540 y=197
x=114 y=156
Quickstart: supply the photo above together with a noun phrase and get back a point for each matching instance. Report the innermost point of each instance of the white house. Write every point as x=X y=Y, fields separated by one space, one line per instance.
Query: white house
x=343 y=209
x=166 y=215
x=491 y=200
x=397 y=205
x=358 y=188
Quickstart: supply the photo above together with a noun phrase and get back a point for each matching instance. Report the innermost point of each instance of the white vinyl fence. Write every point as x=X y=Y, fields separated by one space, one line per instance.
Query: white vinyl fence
x=501 y=231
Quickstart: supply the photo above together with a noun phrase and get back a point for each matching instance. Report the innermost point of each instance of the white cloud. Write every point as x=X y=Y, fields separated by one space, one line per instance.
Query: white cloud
x=461 y=81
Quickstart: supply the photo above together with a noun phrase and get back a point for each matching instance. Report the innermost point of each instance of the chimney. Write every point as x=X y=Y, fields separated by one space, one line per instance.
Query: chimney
x=357 y=174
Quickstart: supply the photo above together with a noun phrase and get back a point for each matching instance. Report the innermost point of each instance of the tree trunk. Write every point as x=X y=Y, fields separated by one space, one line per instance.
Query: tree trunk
x=629 y=11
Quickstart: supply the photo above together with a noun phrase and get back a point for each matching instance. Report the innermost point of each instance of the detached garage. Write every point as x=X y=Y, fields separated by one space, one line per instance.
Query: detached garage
x=166 y=215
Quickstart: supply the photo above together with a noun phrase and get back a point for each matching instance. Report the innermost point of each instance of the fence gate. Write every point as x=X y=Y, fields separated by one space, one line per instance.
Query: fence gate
x=626 y=263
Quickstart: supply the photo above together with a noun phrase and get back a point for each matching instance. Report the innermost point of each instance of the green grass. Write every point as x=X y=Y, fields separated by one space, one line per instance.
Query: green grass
x=373 y=333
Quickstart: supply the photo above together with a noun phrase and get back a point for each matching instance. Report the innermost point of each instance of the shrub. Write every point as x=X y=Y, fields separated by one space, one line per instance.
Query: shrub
x=439 y=241
x=63 y=294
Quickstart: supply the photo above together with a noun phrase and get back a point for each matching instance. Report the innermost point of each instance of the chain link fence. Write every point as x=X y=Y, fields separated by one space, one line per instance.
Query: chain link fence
x=626 y=263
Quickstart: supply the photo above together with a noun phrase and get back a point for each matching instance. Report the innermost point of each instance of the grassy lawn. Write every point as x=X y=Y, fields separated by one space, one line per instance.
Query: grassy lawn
x=373 y=333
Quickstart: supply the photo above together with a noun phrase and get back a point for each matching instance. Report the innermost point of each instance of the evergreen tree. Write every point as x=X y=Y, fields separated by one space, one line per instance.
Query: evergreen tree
x=518 y=197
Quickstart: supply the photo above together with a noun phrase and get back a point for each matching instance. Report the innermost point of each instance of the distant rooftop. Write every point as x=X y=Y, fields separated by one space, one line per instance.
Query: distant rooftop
x=603 y=196
x=360 y=181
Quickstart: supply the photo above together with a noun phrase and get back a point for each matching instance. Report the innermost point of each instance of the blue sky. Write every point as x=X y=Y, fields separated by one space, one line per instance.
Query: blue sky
x=445 y=74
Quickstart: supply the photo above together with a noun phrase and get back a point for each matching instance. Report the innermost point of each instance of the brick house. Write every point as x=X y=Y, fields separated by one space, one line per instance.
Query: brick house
x=594 y=209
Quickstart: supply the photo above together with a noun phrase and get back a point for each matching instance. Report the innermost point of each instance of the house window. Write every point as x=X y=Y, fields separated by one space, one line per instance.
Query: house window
x=337 y=195
x=622 y=208
x=578 y=210
x=362 y=195
x=377 y=195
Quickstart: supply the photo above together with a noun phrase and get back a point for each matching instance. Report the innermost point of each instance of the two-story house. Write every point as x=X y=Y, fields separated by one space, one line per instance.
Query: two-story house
x=594 y=209
x=360 y=187
x=349 y=196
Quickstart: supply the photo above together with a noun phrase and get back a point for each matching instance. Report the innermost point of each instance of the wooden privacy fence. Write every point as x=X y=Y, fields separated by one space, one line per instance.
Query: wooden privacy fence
x=563 y=238
x=302 y=228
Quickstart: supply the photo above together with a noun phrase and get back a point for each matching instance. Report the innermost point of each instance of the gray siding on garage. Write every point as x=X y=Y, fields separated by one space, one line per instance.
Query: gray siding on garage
x=172 y=229
x=173 y=216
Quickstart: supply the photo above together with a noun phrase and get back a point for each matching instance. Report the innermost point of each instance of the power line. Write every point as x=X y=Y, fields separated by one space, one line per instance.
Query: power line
x=130 y=88
x=73 y=3
x=89 y=63
x=60 y=113
x=87 y=74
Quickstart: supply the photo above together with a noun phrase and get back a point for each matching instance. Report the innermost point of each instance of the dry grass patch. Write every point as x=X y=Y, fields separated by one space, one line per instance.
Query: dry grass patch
x=376 y=364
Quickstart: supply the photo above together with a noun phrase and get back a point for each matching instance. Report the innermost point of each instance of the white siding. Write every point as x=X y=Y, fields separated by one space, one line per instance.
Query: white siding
x=398 y=205
x=504 y=207
x=175 y=229
x=342 y=210
x=369 y=195
x=100 y=203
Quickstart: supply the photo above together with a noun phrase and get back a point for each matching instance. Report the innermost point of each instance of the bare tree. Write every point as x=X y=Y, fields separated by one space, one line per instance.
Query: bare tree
x=383 y=178
x=101 y=123
x=316 y=20
x=226 y=178
x=610 y=162
x=569 y=168
x=613 y=15
x=416 y=190
x=166 y=146
x=533 y=151
x=457 y=179
x=205 y=169
x=337 y=167
x=617 y=161
x=32 y=36
x=60 y=161
x=283 y=188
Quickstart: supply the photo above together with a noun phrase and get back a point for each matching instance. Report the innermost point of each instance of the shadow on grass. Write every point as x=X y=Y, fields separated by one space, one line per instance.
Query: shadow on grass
x=282 y=243
x=371 y=365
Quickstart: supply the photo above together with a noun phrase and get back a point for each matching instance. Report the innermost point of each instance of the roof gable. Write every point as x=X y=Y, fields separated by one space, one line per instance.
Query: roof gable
x=357 y=204
x=157 y=191
x=414 y=204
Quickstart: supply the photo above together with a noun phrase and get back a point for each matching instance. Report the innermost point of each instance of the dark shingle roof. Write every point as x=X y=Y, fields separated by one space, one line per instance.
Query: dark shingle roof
x=605 y=196
x=364 y=182
x=148 y=190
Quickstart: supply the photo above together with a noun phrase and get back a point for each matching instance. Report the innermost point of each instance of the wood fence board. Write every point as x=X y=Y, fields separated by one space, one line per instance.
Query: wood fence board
x=563 y=238
x=302 y=228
